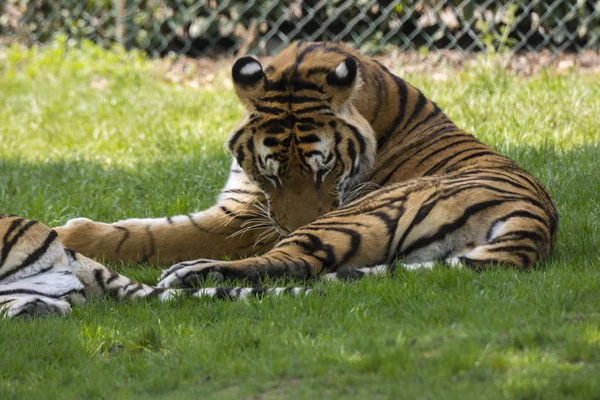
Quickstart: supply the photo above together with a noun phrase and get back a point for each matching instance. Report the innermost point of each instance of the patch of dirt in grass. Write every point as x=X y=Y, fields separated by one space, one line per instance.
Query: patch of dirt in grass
x=279 y=391
x=203 y=72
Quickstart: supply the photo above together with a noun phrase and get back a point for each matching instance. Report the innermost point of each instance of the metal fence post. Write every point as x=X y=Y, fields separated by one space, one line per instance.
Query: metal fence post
x=120 y=21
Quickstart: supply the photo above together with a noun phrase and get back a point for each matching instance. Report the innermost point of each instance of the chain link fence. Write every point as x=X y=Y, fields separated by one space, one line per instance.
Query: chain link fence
x=264 y=27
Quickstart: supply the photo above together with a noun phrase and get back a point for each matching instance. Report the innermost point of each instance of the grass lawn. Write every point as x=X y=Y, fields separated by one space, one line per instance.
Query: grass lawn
x=98 y=134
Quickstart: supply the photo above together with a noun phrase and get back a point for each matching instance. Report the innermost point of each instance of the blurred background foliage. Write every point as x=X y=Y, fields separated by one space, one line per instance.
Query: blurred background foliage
x=263 y=27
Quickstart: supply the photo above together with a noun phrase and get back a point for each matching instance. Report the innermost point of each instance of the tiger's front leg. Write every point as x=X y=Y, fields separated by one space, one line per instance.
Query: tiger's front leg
x=234 y=227
x=342 y=240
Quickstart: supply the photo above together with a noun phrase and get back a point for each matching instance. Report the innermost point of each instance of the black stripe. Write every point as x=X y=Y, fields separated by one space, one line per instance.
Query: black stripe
x=233 y=215
x=442 y=163
x=436 y=111
x=313 y=109
x=359 y=138
x=522 y=214
x=13 y=226
x=271 y=142
x=123 y=239
x=317 y=70
x=99 y=278
x=391 y=225
x=152 y=251
x=492 y=178
x=325 y=224
x=303 y=85
x=350 y=274
x=449 y=227
x=519 y=235
x=379 y=84
x=242 y=191
x=8 y=244
x=352 y=155
x=235 y=138
x=425 y=145
x=205 y=230
x=35 y=256
x=306 y=128
x=308 y=49
x=510 y=249
x=418 y=108
x=37 y=293
x=113 y=276
x=461 y=162
x=72 y=254
x=308 y=139
x=269 y=110
x=240 y=155
x=336 y=50
x=444 y=148
x=402 y=100
x=291 y=99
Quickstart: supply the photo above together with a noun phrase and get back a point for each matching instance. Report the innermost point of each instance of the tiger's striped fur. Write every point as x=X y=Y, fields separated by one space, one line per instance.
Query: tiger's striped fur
x=39 y=276
x=339 y=166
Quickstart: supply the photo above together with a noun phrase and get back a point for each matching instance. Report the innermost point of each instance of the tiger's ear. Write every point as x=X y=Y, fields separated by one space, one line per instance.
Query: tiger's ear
x=247 y=71
x=344 y=74
x=343 y=81
x=247 y=74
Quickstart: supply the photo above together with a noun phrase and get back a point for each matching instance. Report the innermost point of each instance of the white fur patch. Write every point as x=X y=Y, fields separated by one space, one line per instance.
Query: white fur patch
x=497 y=230
x=424 y=265
x=209 y=292
x=250 y=68
x=55 y=283
x=342 y=70
x=376 y=270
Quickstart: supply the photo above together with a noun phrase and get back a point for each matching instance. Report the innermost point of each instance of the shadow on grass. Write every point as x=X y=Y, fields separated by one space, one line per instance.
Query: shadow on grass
x=55 y=191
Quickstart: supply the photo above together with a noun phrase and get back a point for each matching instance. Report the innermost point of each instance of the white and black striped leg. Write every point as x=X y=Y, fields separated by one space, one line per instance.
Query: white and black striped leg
x=47 y=291
x=243 y=293
x=357 y=273
x=99 y=280
x=456 y=262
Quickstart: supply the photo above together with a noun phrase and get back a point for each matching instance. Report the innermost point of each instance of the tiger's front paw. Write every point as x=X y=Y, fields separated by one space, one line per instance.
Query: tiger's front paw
x=190 y=274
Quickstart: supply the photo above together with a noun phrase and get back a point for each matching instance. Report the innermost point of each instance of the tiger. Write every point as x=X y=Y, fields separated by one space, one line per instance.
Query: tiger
x=340 y=169
x=39 y=276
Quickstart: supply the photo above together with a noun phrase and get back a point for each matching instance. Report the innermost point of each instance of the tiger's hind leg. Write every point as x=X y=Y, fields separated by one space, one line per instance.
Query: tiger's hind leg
x=418 y=223
x=38 y=276
x=35 y=277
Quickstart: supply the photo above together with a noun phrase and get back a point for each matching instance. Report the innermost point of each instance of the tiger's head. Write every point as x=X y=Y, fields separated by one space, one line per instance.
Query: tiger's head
x=303 y=142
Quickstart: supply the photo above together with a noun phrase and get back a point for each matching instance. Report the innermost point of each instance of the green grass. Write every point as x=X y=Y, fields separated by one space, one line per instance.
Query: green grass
x=141 y=147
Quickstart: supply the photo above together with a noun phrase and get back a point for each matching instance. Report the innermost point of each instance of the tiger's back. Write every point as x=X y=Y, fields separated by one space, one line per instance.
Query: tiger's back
x=401 y=138
x=339 y=165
